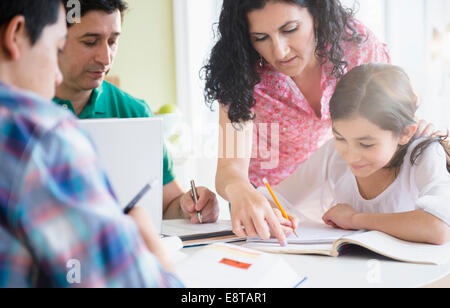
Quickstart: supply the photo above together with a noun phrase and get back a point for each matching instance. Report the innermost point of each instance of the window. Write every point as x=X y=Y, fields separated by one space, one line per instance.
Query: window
x=418 y=35
x=197 y=155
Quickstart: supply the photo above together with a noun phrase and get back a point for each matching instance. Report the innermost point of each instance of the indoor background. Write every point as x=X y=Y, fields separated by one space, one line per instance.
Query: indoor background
x=165 y=43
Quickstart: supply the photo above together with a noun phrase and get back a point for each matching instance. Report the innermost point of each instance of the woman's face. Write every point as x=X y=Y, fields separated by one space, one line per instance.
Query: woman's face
x=284 y=35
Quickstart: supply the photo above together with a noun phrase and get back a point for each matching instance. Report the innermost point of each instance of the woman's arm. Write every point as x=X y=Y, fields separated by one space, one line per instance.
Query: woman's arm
x=251 y=213
x=232 y=167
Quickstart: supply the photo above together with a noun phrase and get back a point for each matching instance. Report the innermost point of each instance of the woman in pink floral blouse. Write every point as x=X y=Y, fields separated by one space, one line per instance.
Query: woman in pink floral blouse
x=274 y=70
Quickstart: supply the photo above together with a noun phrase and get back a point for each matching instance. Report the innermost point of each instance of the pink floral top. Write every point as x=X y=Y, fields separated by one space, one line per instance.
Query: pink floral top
x=287 y=131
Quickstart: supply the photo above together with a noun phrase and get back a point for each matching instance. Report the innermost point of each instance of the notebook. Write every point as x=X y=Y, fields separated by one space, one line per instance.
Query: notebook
x=315 y=238
x=200 y=234
x=224 y=265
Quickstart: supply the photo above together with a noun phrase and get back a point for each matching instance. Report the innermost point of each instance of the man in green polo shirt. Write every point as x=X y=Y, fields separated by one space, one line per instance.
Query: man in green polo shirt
x=84 y=62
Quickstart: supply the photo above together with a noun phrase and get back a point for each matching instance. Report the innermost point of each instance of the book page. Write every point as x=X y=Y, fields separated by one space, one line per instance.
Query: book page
x=320 y=249
x=400 y=250
x=311 y=232
x=183 y=227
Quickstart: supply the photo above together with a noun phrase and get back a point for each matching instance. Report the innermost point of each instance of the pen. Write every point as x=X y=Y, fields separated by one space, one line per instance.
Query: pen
x=283 y=212
x=138 y=197
x=195 y=197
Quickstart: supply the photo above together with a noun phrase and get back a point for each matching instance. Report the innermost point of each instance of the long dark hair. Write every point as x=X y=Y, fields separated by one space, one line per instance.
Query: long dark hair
x=383 y=94
x=231 y=74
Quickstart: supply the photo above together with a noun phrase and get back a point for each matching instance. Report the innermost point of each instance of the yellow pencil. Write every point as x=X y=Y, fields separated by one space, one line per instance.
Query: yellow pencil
x=275 y=199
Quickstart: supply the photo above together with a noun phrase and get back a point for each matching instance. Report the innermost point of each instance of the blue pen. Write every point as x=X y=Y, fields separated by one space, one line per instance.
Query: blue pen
x=139 y=196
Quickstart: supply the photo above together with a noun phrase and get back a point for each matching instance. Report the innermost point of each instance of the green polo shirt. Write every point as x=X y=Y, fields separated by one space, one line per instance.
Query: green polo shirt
x=108 y=101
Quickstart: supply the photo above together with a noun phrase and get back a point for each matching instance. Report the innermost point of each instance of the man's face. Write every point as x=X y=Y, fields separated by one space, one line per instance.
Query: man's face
x=90 y=50
x=39 y=63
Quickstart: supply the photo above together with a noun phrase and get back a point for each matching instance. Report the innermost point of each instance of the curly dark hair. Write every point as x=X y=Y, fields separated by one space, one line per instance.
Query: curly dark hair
x=231 y=74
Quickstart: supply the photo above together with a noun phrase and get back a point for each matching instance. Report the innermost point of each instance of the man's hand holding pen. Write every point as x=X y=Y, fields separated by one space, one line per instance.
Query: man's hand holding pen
x=207 y=205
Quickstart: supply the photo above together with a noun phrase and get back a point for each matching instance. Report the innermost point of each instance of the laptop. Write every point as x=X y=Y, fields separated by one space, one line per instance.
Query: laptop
x=131 y=153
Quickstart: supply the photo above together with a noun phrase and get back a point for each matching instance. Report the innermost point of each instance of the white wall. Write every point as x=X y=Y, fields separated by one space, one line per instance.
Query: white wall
x=407 y=27
x=372 y=13
x=436 y=91
x=145 y=58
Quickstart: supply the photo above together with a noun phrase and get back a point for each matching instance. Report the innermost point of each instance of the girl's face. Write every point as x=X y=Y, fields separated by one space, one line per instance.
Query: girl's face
x=366 y=147
x=284 y=35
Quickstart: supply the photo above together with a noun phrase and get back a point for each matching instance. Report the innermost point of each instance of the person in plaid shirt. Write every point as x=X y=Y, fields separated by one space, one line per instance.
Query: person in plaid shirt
x=60 y=223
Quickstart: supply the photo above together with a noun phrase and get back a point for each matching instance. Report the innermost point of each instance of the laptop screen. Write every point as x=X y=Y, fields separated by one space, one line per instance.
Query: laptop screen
x=131 y=153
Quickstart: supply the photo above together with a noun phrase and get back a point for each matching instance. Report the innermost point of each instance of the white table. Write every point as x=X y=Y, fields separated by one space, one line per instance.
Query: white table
x=360 y=269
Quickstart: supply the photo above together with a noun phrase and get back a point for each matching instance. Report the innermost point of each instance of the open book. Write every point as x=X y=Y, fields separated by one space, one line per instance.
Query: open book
x=316 y=238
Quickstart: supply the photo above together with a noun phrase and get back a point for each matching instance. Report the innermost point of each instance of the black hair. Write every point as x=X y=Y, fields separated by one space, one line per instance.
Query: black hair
x=108 y=6
x=38 y=14
x=231 y=74
x=383 y=94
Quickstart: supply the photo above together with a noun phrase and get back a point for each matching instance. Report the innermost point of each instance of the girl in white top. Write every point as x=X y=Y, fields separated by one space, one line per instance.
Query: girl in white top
x=375 y=174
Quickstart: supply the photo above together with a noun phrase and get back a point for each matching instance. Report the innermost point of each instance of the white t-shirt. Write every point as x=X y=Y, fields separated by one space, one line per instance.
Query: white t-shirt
x=326 y=180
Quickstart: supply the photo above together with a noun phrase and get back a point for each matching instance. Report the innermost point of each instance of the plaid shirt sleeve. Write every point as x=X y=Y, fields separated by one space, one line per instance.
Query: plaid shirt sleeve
x=65 y=213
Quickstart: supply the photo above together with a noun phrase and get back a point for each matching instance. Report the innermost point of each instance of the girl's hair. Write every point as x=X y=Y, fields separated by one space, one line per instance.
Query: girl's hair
x=231 y=74
x=383 y=94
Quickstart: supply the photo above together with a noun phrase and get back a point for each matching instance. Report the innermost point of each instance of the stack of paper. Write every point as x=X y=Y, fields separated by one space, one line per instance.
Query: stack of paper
x=200 y=234
x=230 y=266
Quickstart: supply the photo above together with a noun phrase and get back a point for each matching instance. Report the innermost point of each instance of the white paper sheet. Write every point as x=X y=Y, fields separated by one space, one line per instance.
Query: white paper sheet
x=313 y=233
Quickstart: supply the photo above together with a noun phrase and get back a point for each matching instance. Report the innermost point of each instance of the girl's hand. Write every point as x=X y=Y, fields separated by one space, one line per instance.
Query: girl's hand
x=341 y=216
